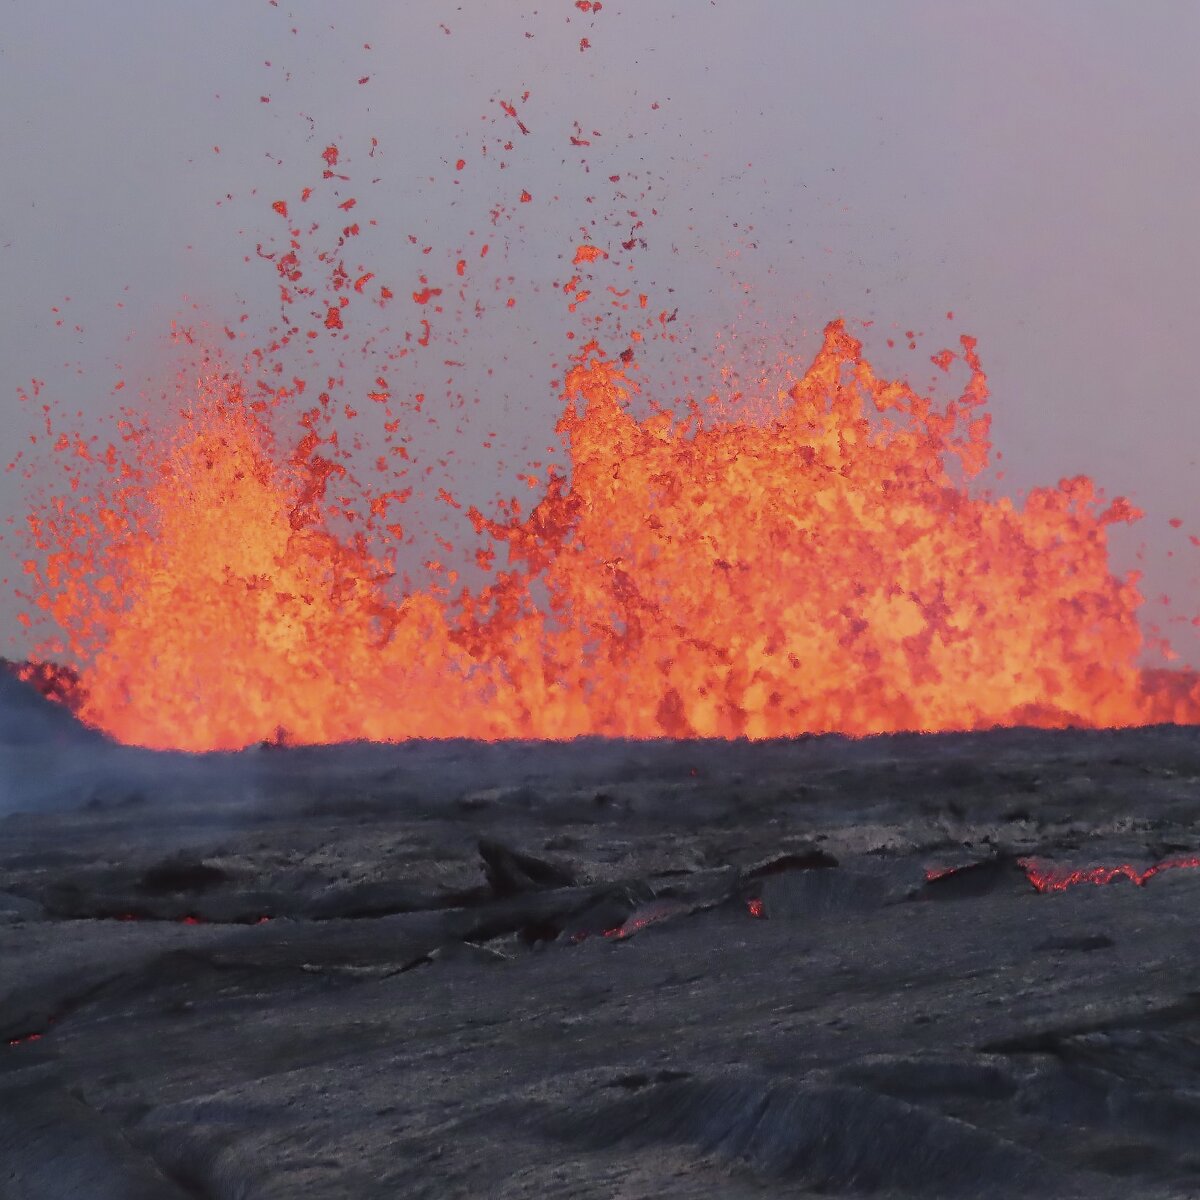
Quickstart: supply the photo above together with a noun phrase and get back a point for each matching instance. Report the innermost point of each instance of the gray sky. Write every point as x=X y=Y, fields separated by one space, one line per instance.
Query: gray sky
x=1031 y=166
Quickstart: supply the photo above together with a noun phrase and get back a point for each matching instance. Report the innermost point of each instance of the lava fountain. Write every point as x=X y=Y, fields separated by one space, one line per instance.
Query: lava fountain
x=823 y=558
x=832 y=568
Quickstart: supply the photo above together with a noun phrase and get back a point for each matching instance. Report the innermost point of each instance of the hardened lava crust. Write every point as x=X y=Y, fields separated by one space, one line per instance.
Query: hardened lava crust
x=952 y=965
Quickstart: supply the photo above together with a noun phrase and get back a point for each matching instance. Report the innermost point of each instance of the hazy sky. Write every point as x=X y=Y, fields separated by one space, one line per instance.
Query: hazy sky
x=1031 y=166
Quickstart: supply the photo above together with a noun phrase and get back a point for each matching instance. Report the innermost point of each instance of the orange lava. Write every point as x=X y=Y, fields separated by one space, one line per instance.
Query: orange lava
x=830 y=569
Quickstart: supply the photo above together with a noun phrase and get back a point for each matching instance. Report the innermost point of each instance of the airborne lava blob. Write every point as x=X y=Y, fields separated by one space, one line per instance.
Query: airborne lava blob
x=829 y=569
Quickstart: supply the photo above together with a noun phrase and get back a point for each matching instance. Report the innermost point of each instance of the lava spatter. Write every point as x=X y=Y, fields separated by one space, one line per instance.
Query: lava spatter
x=817 y=557
x=829 y=570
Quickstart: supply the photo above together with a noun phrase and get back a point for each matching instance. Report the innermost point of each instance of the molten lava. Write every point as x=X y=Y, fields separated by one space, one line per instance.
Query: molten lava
x=1050 y=878
x=830 y=569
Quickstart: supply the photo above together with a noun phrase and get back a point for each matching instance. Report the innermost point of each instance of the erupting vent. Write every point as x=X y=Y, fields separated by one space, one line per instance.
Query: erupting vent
x=819 y=556
x=828 y=570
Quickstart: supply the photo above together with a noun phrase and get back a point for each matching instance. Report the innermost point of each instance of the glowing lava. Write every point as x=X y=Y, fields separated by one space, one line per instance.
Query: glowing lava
x=827 y=570
x=1050 y=878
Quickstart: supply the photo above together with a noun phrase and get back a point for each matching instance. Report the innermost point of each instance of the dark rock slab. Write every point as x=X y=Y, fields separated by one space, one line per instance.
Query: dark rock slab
x=833 y=1139
x=521 y=970
x=55 y=1147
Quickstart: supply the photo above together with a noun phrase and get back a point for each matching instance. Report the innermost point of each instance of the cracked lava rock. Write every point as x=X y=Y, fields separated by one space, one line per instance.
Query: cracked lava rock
x=953 y=965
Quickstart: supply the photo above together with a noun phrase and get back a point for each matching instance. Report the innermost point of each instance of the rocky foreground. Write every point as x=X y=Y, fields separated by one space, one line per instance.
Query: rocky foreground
x=932 y=966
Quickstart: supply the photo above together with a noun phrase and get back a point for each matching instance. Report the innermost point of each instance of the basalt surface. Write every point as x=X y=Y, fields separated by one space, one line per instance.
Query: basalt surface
x=813 y=967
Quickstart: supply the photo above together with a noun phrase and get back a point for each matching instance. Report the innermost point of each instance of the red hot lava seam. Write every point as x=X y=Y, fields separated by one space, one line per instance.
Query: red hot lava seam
x=1047 y=879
